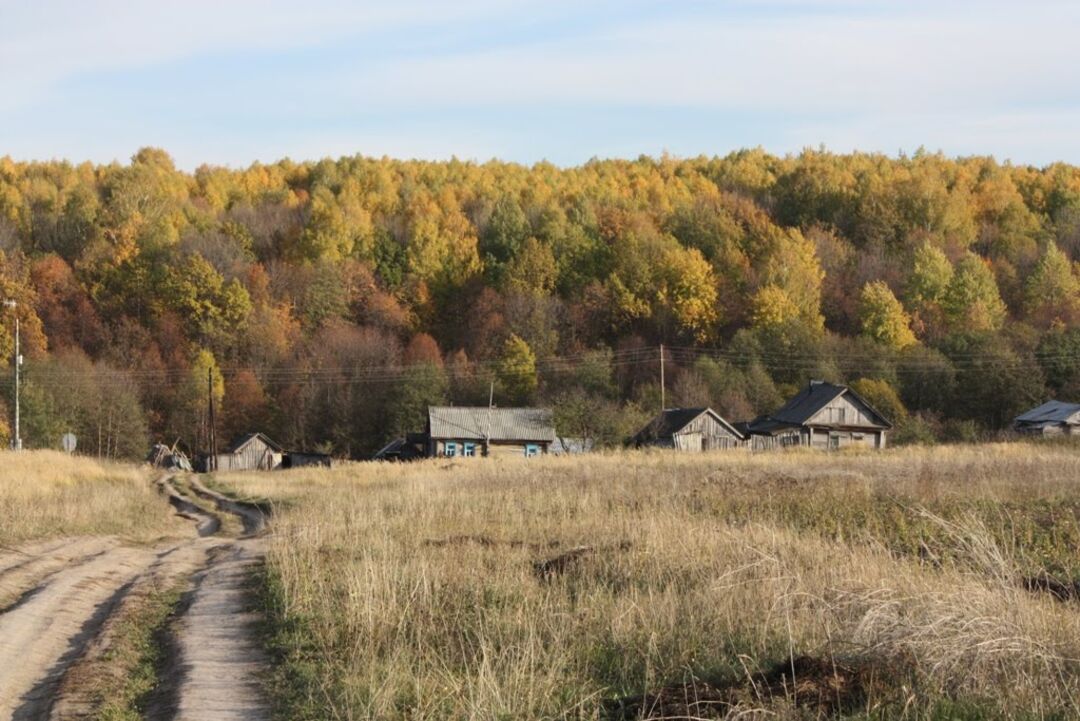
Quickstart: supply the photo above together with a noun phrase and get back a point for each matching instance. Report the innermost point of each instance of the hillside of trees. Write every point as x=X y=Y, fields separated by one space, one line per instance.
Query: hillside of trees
x=332 y=301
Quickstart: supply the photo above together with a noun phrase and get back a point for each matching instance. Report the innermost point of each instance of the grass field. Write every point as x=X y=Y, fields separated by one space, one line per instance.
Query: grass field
x=914 y=583
x=44 y=494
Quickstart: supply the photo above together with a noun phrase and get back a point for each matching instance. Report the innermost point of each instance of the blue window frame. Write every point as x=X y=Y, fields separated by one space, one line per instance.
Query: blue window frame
x=531 y=449
x=468 y=450
x=450 y=449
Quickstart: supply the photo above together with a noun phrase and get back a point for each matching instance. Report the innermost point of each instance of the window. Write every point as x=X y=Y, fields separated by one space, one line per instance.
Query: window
x=531 y=449
x=468 y=450
x=450 y=449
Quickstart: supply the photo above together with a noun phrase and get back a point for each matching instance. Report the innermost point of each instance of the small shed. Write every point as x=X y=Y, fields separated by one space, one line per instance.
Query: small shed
x=689 y=429
x=1053 y=418
x=823 y=415
x=251 y=452
x=299 y=459
x=475 y=431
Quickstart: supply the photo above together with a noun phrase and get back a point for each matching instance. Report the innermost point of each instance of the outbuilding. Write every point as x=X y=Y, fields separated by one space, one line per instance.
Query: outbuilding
x=1053 y=418
x=689 y=429
x=251 y=452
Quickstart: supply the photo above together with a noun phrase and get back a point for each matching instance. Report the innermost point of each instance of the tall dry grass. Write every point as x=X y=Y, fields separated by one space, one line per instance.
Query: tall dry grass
x=47 y=493
x=410 y=591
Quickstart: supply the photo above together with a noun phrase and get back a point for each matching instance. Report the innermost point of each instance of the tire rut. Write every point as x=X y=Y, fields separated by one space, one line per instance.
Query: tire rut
x=52 y=626
x=66 y=598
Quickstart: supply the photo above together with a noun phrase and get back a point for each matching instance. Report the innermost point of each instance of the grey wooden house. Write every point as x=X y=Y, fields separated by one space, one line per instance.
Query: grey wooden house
x=1053 y=418
x=822 y=415
x=689 y=429
x=454 y=431
x=251 y=452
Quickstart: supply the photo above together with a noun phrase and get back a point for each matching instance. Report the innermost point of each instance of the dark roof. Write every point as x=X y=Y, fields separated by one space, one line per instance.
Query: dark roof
x=805 y=405
x=1051 y=412
x=496 y=424
x=672 y=420
x=248 y=438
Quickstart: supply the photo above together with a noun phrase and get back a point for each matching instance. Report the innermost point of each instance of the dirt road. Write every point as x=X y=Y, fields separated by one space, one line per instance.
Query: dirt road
x=62 y=601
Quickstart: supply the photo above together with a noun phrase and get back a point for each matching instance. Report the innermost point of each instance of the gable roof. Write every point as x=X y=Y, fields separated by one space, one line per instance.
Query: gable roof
x=815 y=396
x=247 y=438
x=1051 y=412
x=672 y=420
x=498 y=424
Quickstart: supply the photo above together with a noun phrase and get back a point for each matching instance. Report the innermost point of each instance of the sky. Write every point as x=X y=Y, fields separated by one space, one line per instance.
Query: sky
x=230 y=82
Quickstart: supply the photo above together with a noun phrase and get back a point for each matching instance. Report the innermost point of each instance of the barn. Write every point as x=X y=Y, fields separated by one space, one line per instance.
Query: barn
x=251 y=452
x=823 y=415
x=689 y=429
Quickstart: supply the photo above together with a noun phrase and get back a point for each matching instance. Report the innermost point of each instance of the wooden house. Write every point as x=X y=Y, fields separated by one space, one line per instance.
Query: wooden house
x=689 y=429
x=822 y=415
x=299 y=459
x=461 y=431
x=1053 y=418
x=251 y=452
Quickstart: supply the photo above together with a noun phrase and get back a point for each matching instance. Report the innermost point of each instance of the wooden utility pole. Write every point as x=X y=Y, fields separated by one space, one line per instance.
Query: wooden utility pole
x=212 y=464
x=663 y=392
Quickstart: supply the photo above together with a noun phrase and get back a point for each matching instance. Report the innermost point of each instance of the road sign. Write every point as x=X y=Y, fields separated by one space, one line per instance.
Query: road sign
x=69 y=442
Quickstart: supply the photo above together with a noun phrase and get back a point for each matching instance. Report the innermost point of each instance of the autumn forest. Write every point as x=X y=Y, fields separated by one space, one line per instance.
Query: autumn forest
x=330 y=302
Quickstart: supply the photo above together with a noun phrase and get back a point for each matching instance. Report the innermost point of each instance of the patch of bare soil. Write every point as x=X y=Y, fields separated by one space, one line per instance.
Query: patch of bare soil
x=67 y=597
x=822 y=686
x=253 y=515
x=51 y=626
x=218 y=659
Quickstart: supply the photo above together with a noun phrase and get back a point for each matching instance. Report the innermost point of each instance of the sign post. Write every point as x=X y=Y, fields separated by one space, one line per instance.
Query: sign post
x=69 y=442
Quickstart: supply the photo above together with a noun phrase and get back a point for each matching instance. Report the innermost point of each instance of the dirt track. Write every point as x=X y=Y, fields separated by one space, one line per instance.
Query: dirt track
x=61 y=601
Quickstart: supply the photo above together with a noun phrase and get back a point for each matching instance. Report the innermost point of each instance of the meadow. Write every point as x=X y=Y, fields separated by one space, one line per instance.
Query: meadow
x=46 y=494
x=911 y=583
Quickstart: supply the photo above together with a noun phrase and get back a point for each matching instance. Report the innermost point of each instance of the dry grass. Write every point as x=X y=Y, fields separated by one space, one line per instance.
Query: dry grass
x=411 y=591
x=46 y=493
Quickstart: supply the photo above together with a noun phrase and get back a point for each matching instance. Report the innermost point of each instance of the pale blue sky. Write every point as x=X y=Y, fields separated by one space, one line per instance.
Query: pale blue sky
x=232 y=81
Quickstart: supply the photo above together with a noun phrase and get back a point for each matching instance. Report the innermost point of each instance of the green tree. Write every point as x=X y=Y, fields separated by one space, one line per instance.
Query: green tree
x=882 y=317
x=516 y=372
x=972 y=302
x=1053 y=290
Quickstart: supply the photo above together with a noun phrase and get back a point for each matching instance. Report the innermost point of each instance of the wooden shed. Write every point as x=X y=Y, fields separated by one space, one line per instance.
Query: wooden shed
x=689 y=429
x=823 y=415
x=251 y=452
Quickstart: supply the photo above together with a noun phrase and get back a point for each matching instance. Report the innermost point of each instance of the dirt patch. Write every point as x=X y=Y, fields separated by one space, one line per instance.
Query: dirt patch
x=252 y=515
x=820 y=685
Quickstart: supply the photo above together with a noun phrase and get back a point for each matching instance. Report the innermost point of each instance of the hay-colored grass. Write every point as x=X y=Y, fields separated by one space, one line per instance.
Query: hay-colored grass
x=46 y=494
x=409 y=591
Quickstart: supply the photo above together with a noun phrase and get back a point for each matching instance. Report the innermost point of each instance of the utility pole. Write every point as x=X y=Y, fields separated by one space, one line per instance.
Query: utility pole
x=663 y=398
x=16 y=441
x=491 y=404
x=212 y=465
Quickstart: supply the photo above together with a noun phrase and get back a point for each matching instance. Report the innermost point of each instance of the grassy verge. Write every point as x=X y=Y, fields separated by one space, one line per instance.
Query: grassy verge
x=128 y=673
x=45 y=494
x=604 y=587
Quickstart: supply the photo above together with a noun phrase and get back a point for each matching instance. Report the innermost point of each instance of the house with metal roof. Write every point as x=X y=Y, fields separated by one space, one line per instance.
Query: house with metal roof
x=689 y=429
x=822 y=415
x=464 y=431
x=1053 y=418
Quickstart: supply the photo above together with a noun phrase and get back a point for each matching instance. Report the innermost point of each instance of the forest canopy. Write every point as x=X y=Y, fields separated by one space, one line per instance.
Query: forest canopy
x=330 y=302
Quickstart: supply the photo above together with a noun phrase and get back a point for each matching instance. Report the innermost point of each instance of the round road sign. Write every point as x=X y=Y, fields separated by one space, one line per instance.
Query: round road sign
x=69 y=442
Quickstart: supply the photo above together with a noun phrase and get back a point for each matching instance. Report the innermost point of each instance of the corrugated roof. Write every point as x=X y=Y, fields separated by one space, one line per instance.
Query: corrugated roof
x=498 y=424
x=1050 y=412
x=672 y=420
